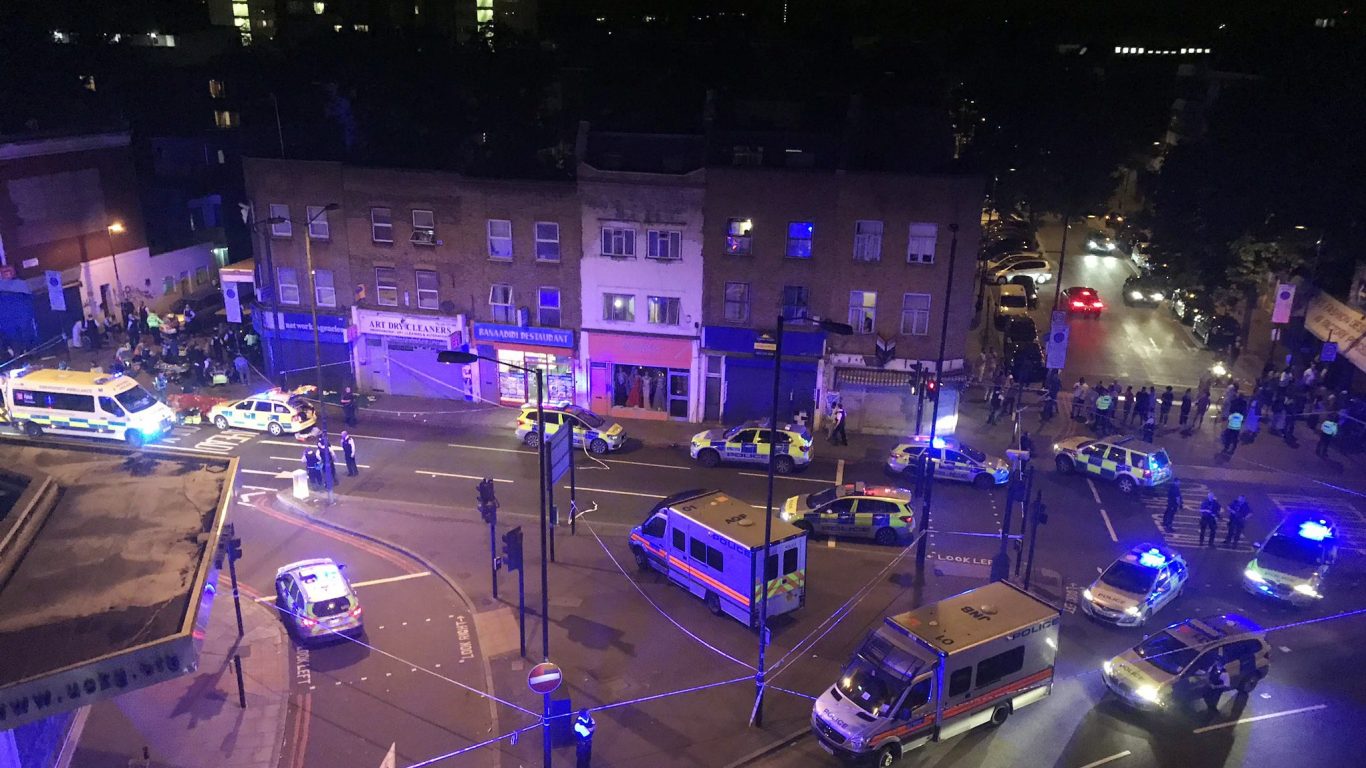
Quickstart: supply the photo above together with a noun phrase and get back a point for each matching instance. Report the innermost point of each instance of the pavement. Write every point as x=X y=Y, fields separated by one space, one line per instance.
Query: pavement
x=196 y=720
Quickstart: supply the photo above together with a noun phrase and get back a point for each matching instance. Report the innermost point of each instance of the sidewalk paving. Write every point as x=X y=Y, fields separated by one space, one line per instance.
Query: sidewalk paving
x=195 y=721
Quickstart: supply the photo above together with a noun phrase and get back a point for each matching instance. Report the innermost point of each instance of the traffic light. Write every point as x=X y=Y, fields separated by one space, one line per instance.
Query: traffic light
x=512 y=549
x=932 y=388
x=488 y=503
x=232 y=544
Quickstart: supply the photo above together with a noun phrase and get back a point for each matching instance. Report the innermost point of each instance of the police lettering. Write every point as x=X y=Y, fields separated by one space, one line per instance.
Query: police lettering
x=1033 y=629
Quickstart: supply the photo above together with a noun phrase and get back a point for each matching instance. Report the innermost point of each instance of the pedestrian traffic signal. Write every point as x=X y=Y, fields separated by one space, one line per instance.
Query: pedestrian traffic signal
x=932 y=388
x=488 y=503
x=512 y=549
x=235 y=548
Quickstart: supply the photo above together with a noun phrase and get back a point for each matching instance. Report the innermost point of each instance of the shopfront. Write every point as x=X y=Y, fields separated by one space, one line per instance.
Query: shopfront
x=639 y=376
x=287 y=345
x=739 y=379
x=396 y=354
x=549 y=349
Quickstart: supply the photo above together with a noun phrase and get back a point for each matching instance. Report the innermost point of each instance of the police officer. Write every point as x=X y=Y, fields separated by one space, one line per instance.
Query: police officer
x=1231 y=430
x=348 y=404
x=328 y=462
x=348 y=446
x=1165 y=403
x=837 y=436
x=314 y=467
x=1149 y=429
x=1209 y=518
x=1217 y=683
x=1327 y=431
x=1174 y=504
x=1238 y=512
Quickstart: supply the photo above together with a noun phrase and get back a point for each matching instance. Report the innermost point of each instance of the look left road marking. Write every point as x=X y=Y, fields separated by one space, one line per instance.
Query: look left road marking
x=1244 y=720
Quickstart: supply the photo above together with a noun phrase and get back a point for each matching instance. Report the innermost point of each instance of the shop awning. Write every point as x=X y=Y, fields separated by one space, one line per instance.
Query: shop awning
x=1331 y=320
x=243 y=271
x=872 y=377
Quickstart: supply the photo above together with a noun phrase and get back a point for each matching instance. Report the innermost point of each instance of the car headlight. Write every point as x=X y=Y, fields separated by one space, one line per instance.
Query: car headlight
x=858 y=742
x=1158 y=296
x=1056 y=448
x=1109 y=246
x=1086 y=593
x=1307 y=589
x=1136 y=295
x=1252 y=574
x=1107 y=667
x=1131 y=611
x=1148 y=693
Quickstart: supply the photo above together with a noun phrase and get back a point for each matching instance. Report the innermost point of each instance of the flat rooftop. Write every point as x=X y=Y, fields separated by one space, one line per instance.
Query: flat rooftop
x=107 y=553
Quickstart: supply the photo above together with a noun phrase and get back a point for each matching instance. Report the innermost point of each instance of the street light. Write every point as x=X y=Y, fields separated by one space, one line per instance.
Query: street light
x=116 y=228
x=927 y=472
x=462 y=357
x=843 y=329
x=317 y=344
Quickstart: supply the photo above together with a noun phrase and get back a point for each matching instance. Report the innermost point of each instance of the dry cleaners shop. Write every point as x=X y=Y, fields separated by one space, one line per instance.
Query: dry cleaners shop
x=549 y=349
x=396 y=354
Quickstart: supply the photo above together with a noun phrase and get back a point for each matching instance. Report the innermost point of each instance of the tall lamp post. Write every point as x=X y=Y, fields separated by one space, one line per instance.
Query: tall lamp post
x=927 y=473
x=843 y=329
x=317 y=343
x=461 y=357
x=116 y=228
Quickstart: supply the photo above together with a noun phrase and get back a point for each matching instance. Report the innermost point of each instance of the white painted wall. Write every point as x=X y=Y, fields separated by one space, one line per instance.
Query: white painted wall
x=142 y=275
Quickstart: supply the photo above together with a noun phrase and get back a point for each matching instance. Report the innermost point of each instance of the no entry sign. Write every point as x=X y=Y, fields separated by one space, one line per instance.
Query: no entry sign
x=544 y=678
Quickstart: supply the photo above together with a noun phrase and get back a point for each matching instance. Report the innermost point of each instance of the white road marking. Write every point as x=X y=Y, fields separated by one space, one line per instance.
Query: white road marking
x=1109 y=759
x=1150 y=341
x=453 y=474
x=839 y=472
x=256 y=488
x=643 y=464
x=785 y=477
x=1108 y=527
x=376 y=437
x=370 y=583
x=276 y=475
x=1232 y=723
x=286 y=458
x=621 y=493
x=830 y=543
x=488 y=448
x=1094 y=493
x=297 y=444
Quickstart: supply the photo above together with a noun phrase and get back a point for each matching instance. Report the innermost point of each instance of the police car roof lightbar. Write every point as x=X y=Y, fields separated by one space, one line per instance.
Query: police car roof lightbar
x=1153 y=558
x=1315 y=530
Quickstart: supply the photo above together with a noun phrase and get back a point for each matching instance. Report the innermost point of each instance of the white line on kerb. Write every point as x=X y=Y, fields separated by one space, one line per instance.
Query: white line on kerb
x=1108 y=527
x=431 y=473
x=1094 y=493
x=1232 y=723
x=1109 y=759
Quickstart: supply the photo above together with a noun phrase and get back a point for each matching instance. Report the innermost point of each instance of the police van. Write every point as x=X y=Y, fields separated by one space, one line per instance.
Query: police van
x=711 y=544
x=83 y=403
x=938 y=671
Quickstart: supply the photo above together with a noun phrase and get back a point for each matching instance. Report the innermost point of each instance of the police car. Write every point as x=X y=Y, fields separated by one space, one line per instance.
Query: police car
x=1131 y=464
x=953 y=461
x=855 y=510
x=1171 y=667
x=1293 y=561
x=599 y=434
x=1136 y=586
x=748 y=443
x=275 y=411
x=316 y=601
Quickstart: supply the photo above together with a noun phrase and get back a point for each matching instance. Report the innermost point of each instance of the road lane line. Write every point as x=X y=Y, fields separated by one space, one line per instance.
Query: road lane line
x=786 y=477
x=643 y=464
x=1108 y=527
x=1244 y=720
x=1094 y=493
x=453 y=474
x=1109 y=759
x=276 y=475
x=257 y=488
x=488 y=448
x=376 y=437
x=621 y=493
x=839 y=472
x=286 y=458
x=359 y=584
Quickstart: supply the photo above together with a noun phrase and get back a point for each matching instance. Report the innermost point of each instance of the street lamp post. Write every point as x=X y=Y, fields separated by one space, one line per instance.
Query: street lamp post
x=116 y=228
x=927 y=474
x=757 y=717
x=317 y=344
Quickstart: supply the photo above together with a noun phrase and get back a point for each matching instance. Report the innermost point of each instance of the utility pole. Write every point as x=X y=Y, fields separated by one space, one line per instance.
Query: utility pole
x=928 y=473
x=1062 y=261
x=324 y=444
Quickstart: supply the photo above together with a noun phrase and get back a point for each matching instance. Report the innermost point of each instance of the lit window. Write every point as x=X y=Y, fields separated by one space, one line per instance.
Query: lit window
x=738 y=237
x=428 y=289
x=799 y=239
x=867 y=241
x=483 y=11
x=923 y=238
x=88 y=82
x=168 y=286
x=737 y=302
x=216 y=89
x=619 y=307
x=547 y=241
x=241 y=10
x=500 y=239
x=201 y=275
x=225 y=119
x=663 y=310
x=319 y=8
x=1120 y=50
x=500 y=300
x=915 y=314
x=324 y=288
x=318 y=228
x=795 y=298
x=381 y=225
x=665 y=244
x=863 y=310
x=548 y=307
x=386 y=286
x=287 y=278
x=619 y=242
x=280 y=225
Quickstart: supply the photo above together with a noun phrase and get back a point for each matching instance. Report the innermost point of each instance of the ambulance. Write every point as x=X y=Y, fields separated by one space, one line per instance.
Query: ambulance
x=711 y=544
x=938 y=671
x=84 y=404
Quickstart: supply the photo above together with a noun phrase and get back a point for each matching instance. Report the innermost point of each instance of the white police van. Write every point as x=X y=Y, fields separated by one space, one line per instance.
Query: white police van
x=83 y=404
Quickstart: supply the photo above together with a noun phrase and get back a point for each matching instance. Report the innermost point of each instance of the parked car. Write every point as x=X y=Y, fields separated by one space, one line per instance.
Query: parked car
x=1081 y=300
x=1027 y=364
x=1011 y=301
x=996 y=262
x=1144 y=291
x=1040 y=270
x=1009 y=244
x=1019 y=330
x=1216 y=331
x=1031 y=291
x=1189 y=303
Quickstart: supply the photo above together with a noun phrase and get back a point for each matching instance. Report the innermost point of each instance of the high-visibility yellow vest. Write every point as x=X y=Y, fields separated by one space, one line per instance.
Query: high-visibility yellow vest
x=1235 y=421
x=1329 y=427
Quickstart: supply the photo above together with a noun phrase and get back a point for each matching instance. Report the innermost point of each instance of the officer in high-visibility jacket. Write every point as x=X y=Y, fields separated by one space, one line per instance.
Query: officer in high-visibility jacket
x=1327 y=431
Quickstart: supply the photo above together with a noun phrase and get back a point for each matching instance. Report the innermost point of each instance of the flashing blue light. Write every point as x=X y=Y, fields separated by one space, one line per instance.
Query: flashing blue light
x=1153 y=558
x=1315 y=530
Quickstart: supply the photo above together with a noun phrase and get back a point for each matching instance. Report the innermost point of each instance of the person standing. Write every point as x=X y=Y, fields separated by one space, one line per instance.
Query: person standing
x=1209 y=519
x=1141 y=404
x=1231 y=432
x=1149 y=429
x=1026 y=445
x=348 y=446
x=994 y=406
x=1079 y=394
x=154 y=326
x=243 y=368
x=1327 y=431
x=1201 y=406
x=1174 y=504
x=314 y=467
x=1238 y=513
x=1128 y=398
x=1165 y=403
x=1185 y=408
x=837 y=435
x=1216 y=685
x=348 y=404
x=329 y=462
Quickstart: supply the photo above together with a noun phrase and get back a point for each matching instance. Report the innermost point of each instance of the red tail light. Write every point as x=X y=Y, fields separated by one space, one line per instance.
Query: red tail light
x=357 y=611
x=307 y=622
x=906 y=519
x=1078 y=304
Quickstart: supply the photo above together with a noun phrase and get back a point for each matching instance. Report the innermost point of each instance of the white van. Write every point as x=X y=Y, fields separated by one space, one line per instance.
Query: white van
x=711 y=544
x=939 y=671
x=83 y=403
x=1012 y=301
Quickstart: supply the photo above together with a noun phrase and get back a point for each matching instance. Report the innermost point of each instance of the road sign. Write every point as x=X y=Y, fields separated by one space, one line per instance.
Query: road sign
x=1285 y=300
x=1329 y=353
x=765 y=344
x=1057 y=346
x=559 y=449
x=544 y=678
x=1059 y=317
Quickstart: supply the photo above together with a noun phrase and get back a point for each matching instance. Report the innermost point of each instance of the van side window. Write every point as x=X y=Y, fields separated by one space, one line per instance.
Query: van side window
x=993 y=668
x=960 y=681
x=680 y=541
x=654 y=528
x=1119 y=456
x=918 y=695
x=790 y=561
x=715 y=559
x=110 y=406
x=697 y=550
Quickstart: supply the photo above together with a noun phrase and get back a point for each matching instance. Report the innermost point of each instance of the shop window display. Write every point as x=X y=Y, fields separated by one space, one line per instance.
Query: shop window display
x=640 y=386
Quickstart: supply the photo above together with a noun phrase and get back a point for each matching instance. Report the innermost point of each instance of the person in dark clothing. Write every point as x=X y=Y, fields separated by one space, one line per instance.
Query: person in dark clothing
x=1142 y=402
x=837 y=435
x=1214 y=690
x=1149 y=429
x=995 y=405
x=348 y=404
x=1165 y=403
x=1209 y=519
x=314 y=466
x=1174 y=504
x=1128 y=403
x=348 y=446
x=1238 y=513
x=1185 y=408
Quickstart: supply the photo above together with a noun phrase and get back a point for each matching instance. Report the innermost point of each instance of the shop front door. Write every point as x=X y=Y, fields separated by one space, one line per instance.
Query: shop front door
x=376 y=364
x=600 y=387
x=678 y=395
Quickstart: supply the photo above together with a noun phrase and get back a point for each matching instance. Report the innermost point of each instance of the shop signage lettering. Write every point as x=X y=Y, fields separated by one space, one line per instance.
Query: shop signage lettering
x=389 y=324
x=1331 y=320
x=104 y=679
x=299 y=327
x=516 y=334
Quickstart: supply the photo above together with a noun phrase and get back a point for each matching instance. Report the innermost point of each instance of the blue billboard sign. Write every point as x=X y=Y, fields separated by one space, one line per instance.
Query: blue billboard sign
x=491 y=333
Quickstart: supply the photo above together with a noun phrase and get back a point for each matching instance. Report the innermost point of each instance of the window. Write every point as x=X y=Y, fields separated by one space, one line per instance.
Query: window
x=737 y=302
x=920 y=250
x=548 y=307
x=680 y=541
x=547 y=241
x=500 y=299
x=424 y=227
x=665 y=244
x=500 y=239
x=263 y=406
x=655 y=528
x=620 y=307
x=878 y=507
x=287 y=278
x=867 y=241
x=428 y=289
x=915 y=314
x=325 y=288
x=993 y=668
x=715 y=560
x=960 y=681
x=223 y=118
x=702 y=553
x=662 y=310
x=863 y=310
x=280 y=225
x=799 y=239
x=317 y=222
x=619 y=242
x=1118 y=455
x=381 y=225
x=790 y=561
x=386 y=286
x=738 y=237
x=795 y=299
x=201 y=275
x=697 y=550
x=110 y=406
x=789 y=565
x=216 y=89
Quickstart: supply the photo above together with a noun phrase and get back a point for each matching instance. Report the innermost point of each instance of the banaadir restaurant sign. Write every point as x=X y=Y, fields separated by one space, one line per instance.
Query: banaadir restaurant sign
x=1331 y=320
x=516 y=334
x=429 y=327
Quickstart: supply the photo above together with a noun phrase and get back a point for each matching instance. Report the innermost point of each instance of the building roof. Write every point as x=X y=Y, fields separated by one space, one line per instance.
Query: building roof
x=107 y=571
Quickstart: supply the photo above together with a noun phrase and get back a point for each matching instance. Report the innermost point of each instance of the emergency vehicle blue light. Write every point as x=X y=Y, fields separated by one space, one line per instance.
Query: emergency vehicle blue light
x=1315 y=530
x=1153 y=558
x=938 y=442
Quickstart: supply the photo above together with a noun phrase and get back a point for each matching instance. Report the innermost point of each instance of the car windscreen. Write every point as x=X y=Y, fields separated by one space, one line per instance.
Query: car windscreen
x=1128 y=577
x=1022 y=331
x=822 y=497
x=1166 y=652
x=973 y=453
x=136 y=399
x=872 y=688
x=1295 y=548
x=332 y=607
x=1014 y=301
x=588 y=417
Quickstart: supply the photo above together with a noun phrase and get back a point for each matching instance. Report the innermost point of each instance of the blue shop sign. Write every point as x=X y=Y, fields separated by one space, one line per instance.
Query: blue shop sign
x=517 y=334
x=721 y=338
x=297 y=326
